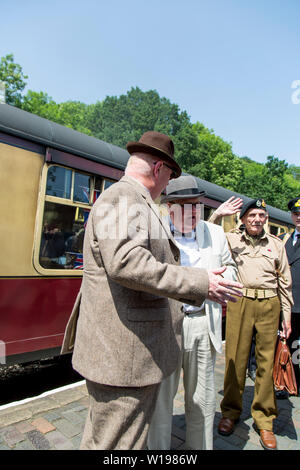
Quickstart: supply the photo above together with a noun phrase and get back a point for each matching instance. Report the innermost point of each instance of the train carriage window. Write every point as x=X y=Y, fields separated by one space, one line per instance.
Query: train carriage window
x=59 y=182
x=107 y=184
x=81 y=188
x=276 y=229
x=98 y=187
x=68 y=200
x=273 y=229
x=207 y=212
x=282 y=230
x=62 y=236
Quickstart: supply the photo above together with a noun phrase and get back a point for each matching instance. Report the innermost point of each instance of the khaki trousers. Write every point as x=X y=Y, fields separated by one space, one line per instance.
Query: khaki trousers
x=243 y=317
x=197 y=361
x=118 y=417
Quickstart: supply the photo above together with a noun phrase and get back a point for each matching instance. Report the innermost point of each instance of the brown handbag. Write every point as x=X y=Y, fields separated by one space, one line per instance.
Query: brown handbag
x=283 y=371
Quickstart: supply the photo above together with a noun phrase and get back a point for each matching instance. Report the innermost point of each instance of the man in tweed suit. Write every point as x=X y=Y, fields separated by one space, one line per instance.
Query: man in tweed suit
x=129 y=326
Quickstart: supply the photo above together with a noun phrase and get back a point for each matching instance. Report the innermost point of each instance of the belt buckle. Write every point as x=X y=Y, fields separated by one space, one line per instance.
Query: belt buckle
x=256 y=293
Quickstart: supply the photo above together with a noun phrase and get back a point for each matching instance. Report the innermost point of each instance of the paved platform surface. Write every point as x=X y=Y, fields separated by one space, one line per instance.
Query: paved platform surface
x=56 y=420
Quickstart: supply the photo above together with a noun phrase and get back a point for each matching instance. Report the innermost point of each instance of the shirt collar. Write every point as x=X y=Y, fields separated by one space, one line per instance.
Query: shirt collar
x=253 y=240
x=177 y=234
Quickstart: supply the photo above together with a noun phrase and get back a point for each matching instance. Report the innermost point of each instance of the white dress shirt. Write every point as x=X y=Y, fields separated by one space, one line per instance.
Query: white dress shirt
x=190 y=255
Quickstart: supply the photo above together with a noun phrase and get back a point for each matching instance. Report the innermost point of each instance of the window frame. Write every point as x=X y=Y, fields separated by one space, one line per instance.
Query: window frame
x=42 y=199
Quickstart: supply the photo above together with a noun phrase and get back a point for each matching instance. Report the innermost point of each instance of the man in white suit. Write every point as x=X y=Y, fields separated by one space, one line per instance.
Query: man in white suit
x=201 y=245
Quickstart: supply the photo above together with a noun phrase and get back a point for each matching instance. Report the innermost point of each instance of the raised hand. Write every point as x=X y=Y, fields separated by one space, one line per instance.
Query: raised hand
x=229 y=207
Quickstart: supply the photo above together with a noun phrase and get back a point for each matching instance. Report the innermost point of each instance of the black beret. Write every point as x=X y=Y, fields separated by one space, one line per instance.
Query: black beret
x=294 y=204
x=253 y=204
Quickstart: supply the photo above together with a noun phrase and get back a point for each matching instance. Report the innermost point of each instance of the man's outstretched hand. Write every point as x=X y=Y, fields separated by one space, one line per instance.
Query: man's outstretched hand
x=222 y=290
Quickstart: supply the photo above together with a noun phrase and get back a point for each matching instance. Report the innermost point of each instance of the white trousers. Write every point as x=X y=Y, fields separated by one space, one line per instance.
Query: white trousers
x=198 y=361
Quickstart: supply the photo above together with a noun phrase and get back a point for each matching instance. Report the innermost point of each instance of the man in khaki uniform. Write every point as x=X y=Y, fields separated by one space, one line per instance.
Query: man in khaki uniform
x=264 y=271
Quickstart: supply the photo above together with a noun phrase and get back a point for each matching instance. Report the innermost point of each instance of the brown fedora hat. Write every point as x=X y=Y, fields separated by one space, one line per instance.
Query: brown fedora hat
x=159 y=145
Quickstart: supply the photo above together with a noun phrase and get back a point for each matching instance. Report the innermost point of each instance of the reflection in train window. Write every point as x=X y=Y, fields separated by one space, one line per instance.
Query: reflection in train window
x=107 y=184
x=81 y=188
x=207 y=212
x=273 y=229
x=59 y=181
x=68 y=200
x=62 y=236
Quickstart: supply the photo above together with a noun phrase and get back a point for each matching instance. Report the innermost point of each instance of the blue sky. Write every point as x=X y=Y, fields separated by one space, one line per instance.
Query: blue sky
x=229 y=63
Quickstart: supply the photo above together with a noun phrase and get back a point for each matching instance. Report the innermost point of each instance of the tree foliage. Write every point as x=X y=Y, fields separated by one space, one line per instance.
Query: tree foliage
x=70 y=113
x=14 y=79
x=199 y=150
x=125 y=118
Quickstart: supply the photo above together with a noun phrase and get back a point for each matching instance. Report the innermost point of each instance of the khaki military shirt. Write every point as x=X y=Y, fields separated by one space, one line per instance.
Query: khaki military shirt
x=262 y=264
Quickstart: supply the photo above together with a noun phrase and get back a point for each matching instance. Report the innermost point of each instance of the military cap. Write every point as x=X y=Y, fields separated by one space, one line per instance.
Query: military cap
x=294 y=204
x=253 y=204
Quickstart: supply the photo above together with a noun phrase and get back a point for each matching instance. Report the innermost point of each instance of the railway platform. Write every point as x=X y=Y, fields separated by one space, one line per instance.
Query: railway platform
x=55 y=420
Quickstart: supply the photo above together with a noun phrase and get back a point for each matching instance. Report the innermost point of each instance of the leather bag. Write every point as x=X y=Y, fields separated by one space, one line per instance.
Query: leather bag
x=283 y=371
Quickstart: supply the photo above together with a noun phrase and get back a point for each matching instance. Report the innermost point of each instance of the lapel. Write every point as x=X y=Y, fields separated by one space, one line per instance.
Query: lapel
x=204 y=241
x=201 y=234
x=290 y=251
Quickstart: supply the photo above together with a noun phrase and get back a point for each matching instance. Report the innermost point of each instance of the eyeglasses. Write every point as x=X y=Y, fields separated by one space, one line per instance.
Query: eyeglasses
x=173 y=174
x=188 y=205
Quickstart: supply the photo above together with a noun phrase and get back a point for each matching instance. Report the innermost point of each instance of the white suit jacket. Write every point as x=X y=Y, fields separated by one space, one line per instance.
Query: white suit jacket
x=215 y=253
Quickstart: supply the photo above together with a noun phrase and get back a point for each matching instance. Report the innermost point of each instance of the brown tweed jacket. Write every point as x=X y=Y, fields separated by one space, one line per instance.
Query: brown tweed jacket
x=128 y=331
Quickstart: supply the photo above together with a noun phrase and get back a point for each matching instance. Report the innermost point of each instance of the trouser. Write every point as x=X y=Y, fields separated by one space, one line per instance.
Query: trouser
x=197 y=362
x=294 y=344
x=242 y=318
x=118 y=417
x=251 y=361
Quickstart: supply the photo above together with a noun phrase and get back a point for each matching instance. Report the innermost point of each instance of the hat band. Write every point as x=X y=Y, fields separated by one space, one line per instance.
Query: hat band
x=185 y=191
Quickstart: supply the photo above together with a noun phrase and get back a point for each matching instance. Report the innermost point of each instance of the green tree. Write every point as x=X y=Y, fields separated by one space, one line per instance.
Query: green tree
x=121 y=119
x=295 y=172
x=12 y=75
x=39 y=103
x=253 y=182
x=197 y=149
x=71 y=114
x=273 y=181
x=208 y=148
x=227 y=171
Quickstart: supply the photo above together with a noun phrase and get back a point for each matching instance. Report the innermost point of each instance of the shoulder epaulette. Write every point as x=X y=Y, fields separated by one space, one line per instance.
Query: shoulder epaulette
x=275 y=236
x=282 y=238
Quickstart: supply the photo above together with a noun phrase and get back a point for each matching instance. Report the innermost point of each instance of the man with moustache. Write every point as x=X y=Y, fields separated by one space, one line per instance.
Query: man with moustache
x=264 y=271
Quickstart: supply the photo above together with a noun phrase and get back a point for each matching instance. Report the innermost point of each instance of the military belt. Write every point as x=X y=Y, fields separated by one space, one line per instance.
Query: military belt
x=259 y=293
